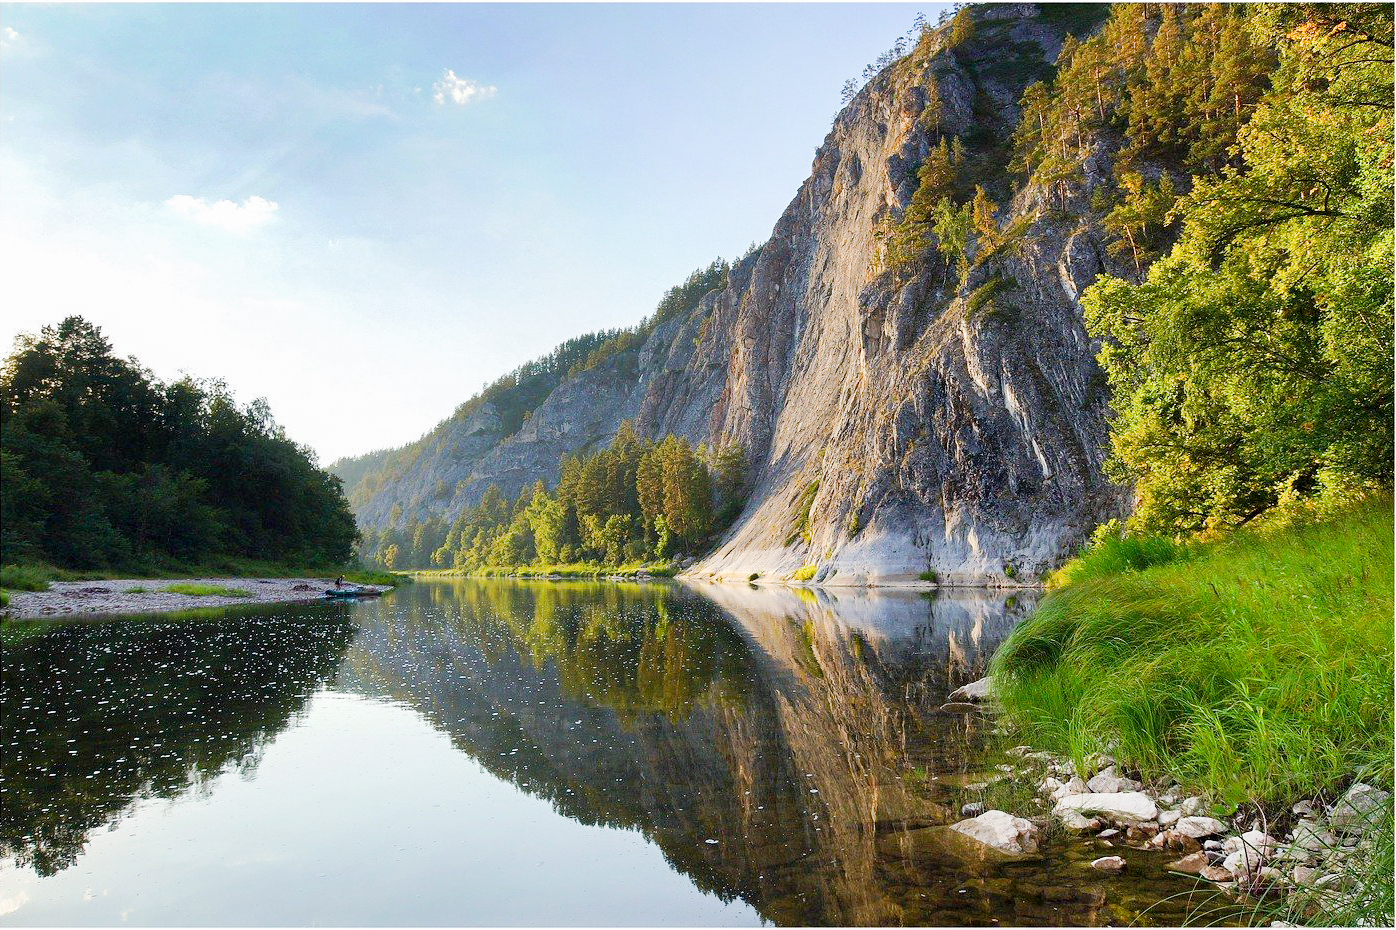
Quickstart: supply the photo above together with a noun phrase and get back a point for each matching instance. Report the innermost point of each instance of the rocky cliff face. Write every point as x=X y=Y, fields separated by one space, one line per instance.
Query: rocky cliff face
x=941 y=424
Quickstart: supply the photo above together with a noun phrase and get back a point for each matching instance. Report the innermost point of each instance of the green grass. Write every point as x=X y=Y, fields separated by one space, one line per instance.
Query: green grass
x=929 y=575
x=1252 y=669
x=138 y=589
x=24 y=578
x=4 y=599
x=207 y=590
x=369 y=576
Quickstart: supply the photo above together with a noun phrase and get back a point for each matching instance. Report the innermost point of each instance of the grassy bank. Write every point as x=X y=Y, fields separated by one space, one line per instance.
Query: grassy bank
x=1256 y=668
x=571 y=570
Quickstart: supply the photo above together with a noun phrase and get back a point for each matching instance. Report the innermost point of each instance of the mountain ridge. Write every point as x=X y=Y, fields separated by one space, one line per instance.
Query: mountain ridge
x=950 y=426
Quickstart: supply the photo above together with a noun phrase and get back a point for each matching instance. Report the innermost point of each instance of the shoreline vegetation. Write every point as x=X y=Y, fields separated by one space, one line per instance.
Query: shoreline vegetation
x=586 y=570
x=1250 y=674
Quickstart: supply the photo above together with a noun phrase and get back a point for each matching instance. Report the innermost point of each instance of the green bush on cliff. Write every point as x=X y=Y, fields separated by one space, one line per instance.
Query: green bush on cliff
x=1254 y=668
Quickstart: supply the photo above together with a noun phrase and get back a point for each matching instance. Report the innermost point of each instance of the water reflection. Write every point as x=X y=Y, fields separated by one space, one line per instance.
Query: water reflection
x=782 y=748
x=98 y=716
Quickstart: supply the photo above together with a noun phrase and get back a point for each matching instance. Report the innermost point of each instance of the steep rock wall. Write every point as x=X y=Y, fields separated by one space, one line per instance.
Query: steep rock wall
x=944 y=426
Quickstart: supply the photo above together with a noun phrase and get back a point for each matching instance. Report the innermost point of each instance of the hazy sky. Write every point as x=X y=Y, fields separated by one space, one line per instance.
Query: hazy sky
x=364 y=213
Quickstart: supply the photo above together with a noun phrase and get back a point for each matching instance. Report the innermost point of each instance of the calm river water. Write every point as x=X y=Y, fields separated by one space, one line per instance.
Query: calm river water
x=525 y=753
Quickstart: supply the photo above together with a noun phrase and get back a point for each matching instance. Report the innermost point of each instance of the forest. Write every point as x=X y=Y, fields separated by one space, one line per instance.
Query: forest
x=636 y=500
x=103 y=466
x=1247 y=195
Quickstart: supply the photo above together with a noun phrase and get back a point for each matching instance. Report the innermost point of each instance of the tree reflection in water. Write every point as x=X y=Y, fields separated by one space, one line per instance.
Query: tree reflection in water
x=98 y=715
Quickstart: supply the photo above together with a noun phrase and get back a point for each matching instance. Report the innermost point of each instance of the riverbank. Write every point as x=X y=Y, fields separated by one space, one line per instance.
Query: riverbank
x=1252 y=673
x=576 y=570
x=145 y=595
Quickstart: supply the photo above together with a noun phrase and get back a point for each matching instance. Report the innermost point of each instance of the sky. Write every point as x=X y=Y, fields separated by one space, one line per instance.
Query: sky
x=364 y=213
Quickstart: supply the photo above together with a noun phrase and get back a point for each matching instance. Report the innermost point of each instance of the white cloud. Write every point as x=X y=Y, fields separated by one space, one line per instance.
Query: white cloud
x=459 y=90
x=9 y=38
x=239 y=218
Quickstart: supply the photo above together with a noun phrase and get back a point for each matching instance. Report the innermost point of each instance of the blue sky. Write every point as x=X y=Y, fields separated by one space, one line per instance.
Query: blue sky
x=365 y=212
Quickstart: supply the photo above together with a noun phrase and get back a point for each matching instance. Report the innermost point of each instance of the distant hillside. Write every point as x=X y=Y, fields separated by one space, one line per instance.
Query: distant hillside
x=490 y=440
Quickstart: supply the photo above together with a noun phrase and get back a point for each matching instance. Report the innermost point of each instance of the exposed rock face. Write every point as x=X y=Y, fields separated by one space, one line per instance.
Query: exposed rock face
x=956 y=427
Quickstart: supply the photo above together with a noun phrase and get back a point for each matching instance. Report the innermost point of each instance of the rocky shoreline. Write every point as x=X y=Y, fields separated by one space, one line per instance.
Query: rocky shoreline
x=144 y=595
x=1303 y=855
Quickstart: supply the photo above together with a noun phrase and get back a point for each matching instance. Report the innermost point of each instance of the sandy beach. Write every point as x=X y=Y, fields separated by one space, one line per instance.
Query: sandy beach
x=143 y=595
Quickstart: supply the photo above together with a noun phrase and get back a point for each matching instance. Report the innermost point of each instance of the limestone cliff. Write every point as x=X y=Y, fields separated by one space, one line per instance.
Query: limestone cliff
x=943 y=423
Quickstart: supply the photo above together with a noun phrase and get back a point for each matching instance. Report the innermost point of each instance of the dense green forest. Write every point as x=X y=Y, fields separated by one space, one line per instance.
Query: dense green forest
x=106 y=467
x=635 y=500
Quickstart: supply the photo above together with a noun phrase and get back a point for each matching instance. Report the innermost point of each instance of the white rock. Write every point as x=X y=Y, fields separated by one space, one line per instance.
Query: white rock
x=1309 y=839
x=1193 y=807
x=1215 y=845
x=1168 y=818
x=1075 y=786
x=1303 y=875
x=1358 y=808
x=998 y=830
x=1198 y=827
x=1242 y=863
x=1073 y=820
x=1106 y=834
x=1261 y=842
x=1049 y=785
x=1303 y=809
x=974 y=691
x=972 y=808
x=1127 y=807
x=1108 y=781
x=1109 y=864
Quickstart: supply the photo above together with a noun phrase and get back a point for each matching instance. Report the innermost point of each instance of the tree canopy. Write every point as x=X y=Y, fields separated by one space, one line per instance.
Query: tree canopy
x=105 y=466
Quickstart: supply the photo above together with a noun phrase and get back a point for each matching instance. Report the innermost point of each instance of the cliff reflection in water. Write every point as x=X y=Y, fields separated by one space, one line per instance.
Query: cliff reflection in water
x=777 y=745
x=99 y=715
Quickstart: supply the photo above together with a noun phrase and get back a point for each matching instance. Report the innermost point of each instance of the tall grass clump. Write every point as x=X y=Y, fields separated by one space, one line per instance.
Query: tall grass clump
x=23 y=578
x=1253 y=668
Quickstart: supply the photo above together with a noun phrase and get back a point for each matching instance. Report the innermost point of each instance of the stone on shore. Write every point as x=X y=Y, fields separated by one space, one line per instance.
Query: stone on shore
x=1108 y=781
x=1199 y=827
x=1077 y=821
x=1000 y=831
x=1109 y=864
x=1075 y=786
x=1133 y=808
x=1216 y=873
x=1358 y=808
x=1193 y=863
x=974 y=691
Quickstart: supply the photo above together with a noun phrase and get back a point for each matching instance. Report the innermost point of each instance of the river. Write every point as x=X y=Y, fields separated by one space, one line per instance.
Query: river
x=523 y=753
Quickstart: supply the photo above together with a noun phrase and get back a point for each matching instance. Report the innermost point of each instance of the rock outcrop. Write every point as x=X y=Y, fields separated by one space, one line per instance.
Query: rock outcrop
x=948 y=426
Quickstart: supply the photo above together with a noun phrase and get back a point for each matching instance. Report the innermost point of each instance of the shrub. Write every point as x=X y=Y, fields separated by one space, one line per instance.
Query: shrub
x=929 y=575
x=23 y=578
x=805 y=572
x=753 y=576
